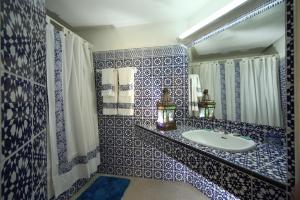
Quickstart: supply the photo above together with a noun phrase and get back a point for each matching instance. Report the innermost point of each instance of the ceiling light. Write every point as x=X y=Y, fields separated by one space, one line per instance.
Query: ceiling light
x=226 y=9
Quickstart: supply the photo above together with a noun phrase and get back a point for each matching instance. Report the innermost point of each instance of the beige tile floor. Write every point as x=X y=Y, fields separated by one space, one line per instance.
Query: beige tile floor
x=150 y=189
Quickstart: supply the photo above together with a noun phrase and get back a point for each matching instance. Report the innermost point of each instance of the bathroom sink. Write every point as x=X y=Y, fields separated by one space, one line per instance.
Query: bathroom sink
x=219 y=140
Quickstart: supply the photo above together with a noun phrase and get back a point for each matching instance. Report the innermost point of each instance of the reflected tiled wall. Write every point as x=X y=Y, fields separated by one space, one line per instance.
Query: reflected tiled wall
x=23 y=100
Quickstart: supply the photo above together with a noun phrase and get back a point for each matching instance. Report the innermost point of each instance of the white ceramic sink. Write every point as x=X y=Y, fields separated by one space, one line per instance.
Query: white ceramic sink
x=219 y=140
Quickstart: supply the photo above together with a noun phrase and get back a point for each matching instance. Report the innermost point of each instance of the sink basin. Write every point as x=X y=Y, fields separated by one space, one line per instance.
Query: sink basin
x=219 y=140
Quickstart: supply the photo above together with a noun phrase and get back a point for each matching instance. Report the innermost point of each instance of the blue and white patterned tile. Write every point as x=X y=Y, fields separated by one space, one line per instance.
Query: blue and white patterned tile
x=129 y=171
x=16 y=36
x=39 y=109
x=236 y=182
x=39 y=62
x=110 y=63
x=14 y=89
x=16 y=180
x=221 y=194
x=40 y=192
x=211 y=169
x=38 y=21
x=39 y=160
x=16 y=126
x=147 y=62
x=277 y=170
x=265 y=191
x=206 y=187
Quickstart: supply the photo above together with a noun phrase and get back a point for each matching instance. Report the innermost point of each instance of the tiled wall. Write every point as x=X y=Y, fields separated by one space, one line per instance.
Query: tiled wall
x=157 y=68
x=23 y=100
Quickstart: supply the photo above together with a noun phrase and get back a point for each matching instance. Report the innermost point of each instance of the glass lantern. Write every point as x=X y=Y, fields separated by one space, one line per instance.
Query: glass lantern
x=166 y=112
x=207 y=106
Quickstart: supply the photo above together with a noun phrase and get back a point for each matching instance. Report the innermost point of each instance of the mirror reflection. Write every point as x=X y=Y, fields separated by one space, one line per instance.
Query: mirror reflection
x=243 y=71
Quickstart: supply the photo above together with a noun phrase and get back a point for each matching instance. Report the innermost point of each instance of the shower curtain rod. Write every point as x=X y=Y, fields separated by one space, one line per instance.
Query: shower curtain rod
x=66 y=29
x=237 y=58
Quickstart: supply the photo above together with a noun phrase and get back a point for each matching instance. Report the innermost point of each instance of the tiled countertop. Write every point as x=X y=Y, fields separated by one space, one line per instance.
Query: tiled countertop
x=265 y=160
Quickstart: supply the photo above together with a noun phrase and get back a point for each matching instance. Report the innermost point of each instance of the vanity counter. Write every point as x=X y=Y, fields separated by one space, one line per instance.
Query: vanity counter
x=266 y=161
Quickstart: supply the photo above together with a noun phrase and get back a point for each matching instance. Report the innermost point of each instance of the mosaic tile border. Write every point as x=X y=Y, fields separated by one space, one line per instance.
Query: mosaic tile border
x=263 y=8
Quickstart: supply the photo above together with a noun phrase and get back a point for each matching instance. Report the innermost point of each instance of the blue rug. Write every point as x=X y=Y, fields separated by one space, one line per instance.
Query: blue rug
x=105 y=188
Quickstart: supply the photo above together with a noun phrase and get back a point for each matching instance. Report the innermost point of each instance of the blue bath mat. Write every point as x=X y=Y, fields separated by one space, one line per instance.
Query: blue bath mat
x=105 y=188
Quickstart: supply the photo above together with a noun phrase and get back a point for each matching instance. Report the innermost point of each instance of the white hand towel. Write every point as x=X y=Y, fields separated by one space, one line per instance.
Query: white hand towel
x=109 y=77
x=126 y=105
x=194 y=93
x=126 y=81
x=110 y=105
x=110 y=102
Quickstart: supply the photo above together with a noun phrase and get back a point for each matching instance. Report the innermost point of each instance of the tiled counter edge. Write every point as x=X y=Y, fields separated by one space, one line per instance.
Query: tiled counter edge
x=240 y=182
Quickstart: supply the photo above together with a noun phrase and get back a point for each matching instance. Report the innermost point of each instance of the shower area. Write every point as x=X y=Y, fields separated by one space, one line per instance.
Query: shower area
x=73 y=143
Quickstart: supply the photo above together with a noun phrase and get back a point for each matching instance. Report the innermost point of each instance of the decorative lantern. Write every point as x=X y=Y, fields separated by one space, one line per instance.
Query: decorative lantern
x=166 y=112
x=207 y=106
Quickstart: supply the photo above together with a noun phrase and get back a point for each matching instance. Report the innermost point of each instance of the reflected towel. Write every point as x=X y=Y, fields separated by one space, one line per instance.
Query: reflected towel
x=194 y=93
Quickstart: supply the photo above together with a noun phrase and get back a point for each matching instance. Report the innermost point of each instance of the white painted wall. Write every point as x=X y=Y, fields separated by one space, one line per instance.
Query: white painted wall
x=279 y=46
x=149 y=35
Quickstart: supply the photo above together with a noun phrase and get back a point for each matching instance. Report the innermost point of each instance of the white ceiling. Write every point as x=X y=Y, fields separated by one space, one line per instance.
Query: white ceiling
x=259 y=32
x=125 y=12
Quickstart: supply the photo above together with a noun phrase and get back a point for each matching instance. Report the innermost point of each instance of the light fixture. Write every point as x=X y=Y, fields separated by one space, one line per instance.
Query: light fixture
x=226 y=9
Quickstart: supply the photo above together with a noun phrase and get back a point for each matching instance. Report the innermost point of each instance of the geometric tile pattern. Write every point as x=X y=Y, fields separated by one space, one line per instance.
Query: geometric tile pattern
x=39 y=108
x=23 y=100
x=290 y=92
x=16 y=111
x=39 y=159
x=41 y=191
x=265 y=191
x=16 y=36
x=16 y=175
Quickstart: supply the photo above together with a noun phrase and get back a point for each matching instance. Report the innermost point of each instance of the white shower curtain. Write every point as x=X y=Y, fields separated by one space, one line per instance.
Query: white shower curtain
x=74 y=141
x=260 y=93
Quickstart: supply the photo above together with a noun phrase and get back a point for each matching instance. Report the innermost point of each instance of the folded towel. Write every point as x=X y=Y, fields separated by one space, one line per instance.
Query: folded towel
x=194 y=93
x=126 y=105
x=109 y=77
x=110 y=102
x=126 y=81
x=110 y=105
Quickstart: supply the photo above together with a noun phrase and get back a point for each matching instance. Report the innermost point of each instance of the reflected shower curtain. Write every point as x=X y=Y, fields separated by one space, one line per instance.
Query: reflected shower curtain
x=244 y=90
x=73 y=135
x=260 y=91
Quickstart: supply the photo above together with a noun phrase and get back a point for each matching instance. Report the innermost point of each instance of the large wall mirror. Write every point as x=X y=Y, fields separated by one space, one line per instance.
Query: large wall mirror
x=243 y=68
